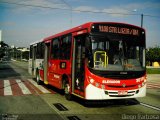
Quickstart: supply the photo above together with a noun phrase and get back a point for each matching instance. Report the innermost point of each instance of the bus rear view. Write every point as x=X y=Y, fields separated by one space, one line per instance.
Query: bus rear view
x=116 y=62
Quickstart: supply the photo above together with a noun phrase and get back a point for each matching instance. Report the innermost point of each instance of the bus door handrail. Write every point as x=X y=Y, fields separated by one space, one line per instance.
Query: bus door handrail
x=103 y=53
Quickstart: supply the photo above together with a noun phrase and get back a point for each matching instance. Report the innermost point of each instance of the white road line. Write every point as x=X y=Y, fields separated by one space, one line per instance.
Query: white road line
x=154 y=82
x=7 y=88
x=24 y=89
x=149 y=106
x=41 y=88
x=153 y=86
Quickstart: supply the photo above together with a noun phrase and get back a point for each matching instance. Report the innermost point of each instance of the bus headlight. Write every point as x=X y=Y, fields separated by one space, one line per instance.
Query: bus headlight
x=91 y=80
x=97 y=84
x=143 y=83
x=139 y=86
x=103 y=86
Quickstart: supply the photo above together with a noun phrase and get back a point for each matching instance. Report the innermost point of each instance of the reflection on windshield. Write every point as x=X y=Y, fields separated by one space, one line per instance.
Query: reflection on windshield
x=116 y=55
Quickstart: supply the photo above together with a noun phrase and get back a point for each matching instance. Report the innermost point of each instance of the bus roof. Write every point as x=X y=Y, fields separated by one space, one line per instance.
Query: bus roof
x=80 y=27
x=38 y=41
x=84 y=26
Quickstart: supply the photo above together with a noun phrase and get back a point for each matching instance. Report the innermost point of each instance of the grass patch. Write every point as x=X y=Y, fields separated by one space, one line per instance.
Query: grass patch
x=153 y=70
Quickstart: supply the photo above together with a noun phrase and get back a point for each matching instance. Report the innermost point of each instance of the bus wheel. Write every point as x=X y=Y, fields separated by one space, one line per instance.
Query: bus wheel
x=38 y=78
x=67 y=93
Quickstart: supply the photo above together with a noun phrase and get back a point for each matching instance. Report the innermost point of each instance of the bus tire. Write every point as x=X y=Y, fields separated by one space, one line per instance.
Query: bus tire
x=38 y=78
x=67 y=93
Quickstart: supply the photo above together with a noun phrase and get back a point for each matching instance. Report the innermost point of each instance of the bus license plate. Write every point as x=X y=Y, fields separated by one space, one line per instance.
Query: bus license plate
x=122 y=92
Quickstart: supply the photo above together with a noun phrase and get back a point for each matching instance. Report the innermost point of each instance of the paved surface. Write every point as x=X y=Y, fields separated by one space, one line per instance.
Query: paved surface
x=20 y=95
x=21 y=98
x=19 y=87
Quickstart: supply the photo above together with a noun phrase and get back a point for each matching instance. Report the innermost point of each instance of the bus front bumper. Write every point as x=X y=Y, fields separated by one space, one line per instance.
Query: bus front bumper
x=94 y=93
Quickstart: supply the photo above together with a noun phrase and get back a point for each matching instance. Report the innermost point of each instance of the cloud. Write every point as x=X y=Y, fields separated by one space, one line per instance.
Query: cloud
x=116 y=11
x=7 y=23
x=145 y=5
x=85 y=9
x=120 y=10
x=113 y=11
x=133 y=8
x=45 y=3
x=30 y=5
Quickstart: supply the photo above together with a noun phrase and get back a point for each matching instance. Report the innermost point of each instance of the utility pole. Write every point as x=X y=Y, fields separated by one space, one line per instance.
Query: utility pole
x=142 y=20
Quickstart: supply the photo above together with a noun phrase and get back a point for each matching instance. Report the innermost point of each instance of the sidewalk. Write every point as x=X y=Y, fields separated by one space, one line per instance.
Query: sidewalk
x=153 y=77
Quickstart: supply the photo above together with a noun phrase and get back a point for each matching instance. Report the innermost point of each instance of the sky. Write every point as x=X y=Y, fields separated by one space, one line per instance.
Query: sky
x=27 y=21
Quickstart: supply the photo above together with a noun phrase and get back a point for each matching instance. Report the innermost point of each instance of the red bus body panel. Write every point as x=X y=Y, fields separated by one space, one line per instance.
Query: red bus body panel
x=55 y=72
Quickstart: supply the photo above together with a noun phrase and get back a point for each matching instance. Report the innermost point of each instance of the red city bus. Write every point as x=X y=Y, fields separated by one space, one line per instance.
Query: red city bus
x=96 y=61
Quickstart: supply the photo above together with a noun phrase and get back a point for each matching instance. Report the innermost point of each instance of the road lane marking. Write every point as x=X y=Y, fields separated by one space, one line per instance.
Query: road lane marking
x=1 y=88
x=156 y=84
x=150 y=106
x=24 y=89
x=32 y=88
x=16 y=90
x=153 y=85
x=39 y=86
x=7 y=88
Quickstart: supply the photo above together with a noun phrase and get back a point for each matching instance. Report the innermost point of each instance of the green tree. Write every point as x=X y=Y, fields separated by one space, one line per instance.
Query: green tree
x=3 y=48
x=26 y=55
x=153 y=54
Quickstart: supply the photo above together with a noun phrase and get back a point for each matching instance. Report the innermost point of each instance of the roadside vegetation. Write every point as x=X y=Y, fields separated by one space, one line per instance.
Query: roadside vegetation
x=153 y=70
x=153 y=55
x=15 y=53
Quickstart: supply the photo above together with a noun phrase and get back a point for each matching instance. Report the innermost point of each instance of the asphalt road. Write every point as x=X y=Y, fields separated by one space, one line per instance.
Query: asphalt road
x=50 y=103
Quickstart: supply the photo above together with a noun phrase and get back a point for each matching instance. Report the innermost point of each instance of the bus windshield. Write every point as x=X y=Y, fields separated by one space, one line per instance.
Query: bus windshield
x=117 y=53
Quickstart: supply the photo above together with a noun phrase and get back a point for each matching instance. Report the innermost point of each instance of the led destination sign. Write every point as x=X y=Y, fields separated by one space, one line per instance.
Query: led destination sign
x=117 y=30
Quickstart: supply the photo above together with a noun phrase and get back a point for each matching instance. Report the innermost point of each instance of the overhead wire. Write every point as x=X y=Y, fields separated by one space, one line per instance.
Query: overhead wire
x=74 y=10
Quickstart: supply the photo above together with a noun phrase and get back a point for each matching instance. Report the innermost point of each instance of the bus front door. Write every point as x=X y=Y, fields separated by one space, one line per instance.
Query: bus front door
x=46 y=58
x=78 y=64
x=34 y=61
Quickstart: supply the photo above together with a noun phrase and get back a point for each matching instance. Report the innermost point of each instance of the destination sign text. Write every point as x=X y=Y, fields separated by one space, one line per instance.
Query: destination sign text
x=118 y=30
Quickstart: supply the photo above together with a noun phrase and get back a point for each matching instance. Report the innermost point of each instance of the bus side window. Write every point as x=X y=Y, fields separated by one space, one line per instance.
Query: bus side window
x=42 y=50
x=66 y=47
x=55 y=48
x=38 y=51
x=31 y=49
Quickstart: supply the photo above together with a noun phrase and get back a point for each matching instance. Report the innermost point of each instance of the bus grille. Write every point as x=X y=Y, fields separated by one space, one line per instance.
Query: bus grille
x=112 y=86
x=115 y=94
